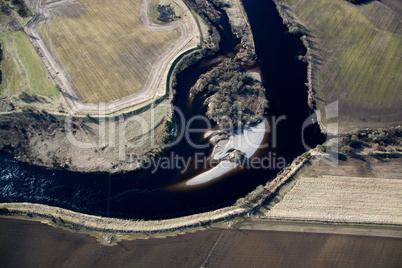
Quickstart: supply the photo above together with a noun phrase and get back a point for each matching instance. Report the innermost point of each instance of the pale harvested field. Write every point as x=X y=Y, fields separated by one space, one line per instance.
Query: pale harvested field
x=342 y=199
x=356 y=58
x=104 y=48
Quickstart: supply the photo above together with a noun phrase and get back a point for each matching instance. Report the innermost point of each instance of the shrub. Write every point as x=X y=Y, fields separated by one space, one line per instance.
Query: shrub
x=4 y=211
x=5 y=8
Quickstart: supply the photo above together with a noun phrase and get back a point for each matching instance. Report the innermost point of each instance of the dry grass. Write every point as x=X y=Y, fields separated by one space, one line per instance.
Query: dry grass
x=343 y=199
x=356 y=58
x=106 y=50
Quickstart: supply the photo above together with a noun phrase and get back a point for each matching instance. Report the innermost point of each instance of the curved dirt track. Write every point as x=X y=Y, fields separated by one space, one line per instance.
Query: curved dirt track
x=156 y=83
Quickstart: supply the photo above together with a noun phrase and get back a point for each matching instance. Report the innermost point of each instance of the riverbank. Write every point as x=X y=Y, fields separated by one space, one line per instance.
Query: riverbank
x=84 y=143
x=360 y=183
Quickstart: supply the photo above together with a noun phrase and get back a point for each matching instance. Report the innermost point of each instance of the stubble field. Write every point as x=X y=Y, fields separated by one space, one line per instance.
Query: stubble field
x=104 y=48
x=342 y=199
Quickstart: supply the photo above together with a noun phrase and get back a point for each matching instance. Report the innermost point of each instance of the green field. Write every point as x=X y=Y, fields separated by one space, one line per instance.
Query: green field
x=356 y=58
x=104 y=48
x=22 y=69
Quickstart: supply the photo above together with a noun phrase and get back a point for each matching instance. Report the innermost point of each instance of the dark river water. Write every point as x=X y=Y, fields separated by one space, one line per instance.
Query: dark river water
x=148 y=195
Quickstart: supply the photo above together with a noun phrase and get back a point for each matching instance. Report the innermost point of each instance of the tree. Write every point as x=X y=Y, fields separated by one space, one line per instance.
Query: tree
x=5 y=8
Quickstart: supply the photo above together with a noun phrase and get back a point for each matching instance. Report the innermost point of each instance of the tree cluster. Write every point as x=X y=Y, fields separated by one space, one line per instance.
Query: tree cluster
x=5 y=7
x=253 y=198
x=210 y=16
x=206 y=9
x=166 y=13
x=23 y=9
x=235 y=99
x=209 y=46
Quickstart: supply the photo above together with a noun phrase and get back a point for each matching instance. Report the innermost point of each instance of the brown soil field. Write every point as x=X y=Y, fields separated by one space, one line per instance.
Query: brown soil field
x=32 y=244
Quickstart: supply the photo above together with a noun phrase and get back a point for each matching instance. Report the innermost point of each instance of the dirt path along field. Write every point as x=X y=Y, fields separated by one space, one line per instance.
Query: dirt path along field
x=99 y=52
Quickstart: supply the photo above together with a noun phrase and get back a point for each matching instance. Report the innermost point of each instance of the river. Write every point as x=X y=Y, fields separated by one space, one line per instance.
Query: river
x=148 y=195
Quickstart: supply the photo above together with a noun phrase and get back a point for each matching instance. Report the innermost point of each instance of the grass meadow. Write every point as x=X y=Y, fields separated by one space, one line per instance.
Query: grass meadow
x=23 y=70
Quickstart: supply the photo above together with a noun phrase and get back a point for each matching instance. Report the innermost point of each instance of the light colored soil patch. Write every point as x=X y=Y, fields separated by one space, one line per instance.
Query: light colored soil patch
x=343 y=199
